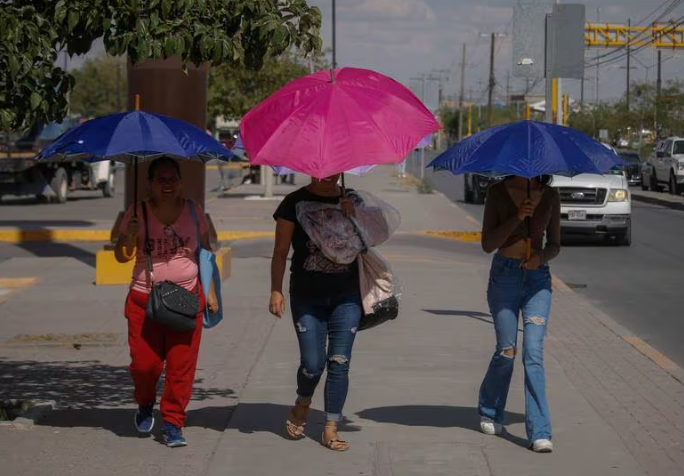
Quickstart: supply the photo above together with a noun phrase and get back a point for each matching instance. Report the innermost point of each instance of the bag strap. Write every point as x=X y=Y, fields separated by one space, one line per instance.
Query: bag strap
x=193 y=212
x=148 y=243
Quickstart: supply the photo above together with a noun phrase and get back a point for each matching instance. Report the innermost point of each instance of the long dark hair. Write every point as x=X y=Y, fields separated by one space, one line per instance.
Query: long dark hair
x=160 y=162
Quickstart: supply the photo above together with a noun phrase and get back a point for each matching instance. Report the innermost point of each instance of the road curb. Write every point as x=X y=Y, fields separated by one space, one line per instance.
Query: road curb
x=45 y=235
x=660 y=359
x=658 y=201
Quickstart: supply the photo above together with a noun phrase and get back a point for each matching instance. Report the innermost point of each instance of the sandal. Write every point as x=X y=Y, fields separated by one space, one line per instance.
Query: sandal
x=334 y=444
x=295 y=426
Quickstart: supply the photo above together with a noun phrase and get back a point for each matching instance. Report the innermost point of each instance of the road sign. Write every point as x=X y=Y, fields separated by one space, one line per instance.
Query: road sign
x=529 y=39
x=566 y=40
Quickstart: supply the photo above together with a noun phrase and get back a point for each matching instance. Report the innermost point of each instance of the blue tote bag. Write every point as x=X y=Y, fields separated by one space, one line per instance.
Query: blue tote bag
x=208 y=272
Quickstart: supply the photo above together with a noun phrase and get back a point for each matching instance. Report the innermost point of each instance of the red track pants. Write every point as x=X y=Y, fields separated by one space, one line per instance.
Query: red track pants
x=151 y=344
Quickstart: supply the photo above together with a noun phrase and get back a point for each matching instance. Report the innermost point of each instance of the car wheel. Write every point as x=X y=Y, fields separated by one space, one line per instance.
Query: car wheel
x=60 y=185
x=108 y=187
x=673 y=185
x=478 y=196
x=467 y=191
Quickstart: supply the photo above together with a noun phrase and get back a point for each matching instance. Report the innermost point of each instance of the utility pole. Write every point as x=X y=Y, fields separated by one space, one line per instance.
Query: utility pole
x=460 y=97
x=598 y=20
x=549 y=82
x=659 y=86
x=629 y=54
x=422 y=99
x=508 y=88
x=492 y=82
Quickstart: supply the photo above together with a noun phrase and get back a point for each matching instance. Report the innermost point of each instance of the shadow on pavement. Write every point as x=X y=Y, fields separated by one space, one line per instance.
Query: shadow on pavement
x=59 y=250
x=120 y=420
x=438 y=416
x=81 y=388
x=480 y=316
x=270 y=418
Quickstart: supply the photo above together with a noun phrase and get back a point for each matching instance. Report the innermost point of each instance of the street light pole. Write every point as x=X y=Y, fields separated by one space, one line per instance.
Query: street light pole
x=492 y=82
x=334 y=34
x=460 y=97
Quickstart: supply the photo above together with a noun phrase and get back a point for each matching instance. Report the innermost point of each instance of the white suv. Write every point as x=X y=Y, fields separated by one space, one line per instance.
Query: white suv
x=665 y=166
x=596 y=205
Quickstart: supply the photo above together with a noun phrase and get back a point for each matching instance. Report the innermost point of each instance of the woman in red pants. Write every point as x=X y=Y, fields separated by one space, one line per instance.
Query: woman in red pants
x=172 y=245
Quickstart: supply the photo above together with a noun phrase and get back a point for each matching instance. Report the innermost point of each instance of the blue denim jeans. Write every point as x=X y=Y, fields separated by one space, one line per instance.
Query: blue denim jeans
x=513 y=291
x=329 y=322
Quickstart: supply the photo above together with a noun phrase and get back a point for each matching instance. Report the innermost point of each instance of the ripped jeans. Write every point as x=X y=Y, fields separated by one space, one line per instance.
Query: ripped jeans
x=320 y=321
x=513 y=290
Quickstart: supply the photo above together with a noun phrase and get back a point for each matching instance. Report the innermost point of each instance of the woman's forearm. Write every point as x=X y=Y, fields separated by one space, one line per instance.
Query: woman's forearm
x=278 y=265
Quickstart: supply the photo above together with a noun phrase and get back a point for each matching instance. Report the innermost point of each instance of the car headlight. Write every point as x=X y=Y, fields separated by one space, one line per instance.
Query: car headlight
x=618 y=195
x=680 y=165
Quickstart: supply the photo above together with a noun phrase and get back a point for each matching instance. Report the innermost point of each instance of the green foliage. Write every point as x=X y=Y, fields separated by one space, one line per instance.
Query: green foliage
x=237 y=32
x=235 y=89
x=644 y=106
x=100 y=87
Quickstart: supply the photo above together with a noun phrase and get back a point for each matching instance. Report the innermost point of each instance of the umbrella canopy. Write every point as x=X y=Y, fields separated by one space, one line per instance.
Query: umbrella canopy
x=332 y=122
x=136 y=135
x=239 y=150
x=528 y=149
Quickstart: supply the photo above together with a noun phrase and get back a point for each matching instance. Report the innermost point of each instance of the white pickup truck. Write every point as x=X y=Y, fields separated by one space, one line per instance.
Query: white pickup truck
x=598 y=205
x=665 y=167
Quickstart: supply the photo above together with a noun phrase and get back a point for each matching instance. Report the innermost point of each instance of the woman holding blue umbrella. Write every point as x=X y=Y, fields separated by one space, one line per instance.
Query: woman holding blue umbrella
x=166 y=239
x=522 y=224
x=519 y=283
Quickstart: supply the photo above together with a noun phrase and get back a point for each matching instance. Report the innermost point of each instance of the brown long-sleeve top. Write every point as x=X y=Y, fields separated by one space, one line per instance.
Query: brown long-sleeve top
x=502 y=228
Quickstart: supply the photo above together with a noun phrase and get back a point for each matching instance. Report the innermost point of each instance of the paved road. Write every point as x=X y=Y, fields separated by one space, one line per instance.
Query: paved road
x=641 y=287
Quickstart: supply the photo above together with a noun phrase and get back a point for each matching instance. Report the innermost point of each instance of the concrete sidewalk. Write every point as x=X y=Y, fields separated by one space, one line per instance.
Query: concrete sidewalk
x=617 y=407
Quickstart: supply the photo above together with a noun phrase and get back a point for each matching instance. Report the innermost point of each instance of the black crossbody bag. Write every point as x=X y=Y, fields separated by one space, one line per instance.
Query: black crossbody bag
x=169 y=304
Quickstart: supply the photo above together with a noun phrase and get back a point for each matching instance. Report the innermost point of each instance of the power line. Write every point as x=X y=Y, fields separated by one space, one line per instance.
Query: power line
x=673 y=5
x=623 y=53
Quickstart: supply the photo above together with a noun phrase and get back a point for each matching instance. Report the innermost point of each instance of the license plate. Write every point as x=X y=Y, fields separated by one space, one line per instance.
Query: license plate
x=577 y=215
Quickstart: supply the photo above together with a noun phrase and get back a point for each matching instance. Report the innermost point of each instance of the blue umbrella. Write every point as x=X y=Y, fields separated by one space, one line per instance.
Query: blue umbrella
x=132 y=136
x=527 y=149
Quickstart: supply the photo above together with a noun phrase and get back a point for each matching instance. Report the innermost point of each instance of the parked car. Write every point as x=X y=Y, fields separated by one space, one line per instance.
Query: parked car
x=21 y=174
x=633 y=168
x=596 y=205
x=665 y=167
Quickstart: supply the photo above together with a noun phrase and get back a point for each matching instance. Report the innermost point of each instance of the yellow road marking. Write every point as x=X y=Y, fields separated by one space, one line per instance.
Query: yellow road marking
x=15 y=285
x=92 y=236
x=465 y=236
x=16 y=282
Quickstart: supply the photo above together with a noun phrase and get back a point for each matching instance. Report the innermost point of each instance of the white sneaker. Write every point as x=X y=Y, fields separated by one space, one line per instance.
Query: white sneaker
x=542 y=446
x=488 y=427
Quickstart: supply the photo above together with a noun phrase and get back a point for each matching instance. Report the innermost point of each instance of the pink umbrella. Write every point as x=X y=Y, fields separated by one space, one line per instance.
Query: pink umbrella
x=321 y=127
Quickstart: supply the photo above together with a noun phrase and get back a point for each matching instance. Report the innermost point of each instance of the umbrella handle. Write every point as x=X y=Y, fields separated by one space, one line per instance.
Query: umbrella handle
x=125 y=253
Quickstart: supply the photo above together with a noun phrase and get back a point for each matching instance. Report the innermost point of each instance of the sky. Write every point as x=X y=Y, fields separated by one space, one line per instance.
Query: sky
x=406 y=39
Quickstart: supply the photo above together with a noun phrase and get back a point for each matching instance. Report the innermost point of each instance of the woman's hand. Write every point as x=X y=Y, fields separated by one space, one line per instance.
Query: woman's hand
x=347 y=206
x=533 y=263
x=276 y=305
x=212 y=302
x=526 y=209
x=133 y=227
